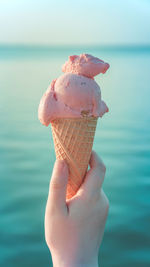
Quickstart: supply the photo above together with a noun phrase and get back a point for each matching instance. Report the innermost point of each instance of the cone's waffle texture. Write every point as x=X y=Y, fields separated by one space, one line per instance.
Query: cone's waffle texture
x=73 y=141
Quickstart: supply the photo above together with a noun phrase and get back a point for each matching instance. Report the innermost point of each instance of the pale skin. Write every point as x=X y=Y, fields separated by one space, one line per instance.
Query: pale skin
x=74 y=228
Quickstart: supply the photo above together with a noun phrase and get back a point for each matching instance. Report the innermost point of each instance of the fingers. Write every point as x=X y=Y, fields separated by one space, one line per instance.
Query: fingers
x=58 y=186
x=97 y=165
x=95 y=176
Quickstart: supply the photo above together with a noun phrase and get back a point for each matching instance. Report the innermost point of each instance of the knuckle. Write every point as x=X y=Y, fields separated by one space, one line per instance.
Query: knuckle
x=99 y=178
x=55 y=185
x=103 y=167
x=50 y=211
x=106 y=203
x=85 y=196
x=47 y=239
x=92 y=197
x=96 y=197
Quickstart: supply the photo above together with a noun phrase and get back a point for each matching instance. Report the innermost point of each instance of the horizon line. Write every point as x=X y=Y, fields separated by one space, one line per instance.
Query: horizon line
x=78 y=46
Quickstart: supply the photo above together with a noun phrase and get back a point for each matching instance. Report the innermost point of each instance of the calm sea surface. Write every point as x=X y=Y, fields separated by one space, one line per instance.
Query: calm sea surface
x=27 y=154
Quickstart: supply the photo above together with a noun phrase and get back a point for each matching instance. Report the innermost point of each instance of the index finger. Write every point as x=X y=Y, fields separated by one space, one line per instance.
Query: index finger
x=95 y=176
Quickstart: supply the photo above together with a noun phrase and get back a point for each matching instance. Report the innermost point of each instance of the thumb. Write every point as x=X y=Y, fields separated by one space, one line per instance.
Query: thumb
x=58 y=185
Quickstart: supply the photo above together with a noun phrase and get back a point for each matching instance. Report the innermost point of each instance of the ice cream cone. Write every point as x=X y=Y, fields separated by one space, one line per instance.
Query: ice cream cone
x=73 y=141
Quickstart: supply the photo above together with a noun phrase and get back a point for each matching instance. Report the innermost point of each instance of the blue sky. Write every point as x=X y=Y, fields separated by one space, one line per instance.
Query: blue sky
x=80 y=22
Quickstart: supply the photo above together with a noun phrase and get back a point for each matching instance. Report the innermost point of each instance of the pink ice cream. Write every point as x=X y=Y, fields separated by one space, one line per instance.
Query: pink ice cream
x=85 y=65
x=74 y=94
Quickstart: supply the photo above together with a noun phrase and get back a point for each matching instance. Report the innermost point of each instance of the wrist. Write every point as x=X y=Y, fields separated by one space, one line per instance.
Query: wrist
x=74 y=263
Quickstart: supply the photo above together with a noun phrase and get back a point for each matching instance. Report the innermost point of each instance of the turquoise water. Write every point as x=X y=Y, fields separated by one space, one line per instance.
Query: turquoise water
x=27 y=154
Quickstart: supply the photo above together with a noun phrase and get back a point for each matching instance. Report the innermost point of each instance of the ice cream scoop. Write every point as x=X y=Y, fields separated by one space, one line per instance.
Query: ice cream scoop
x=74 y=94
x=85 y=65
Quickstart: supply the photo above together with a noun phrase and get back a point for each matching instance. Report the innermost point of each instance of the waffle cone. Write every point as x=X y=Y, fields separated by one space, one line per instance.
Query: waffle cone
x=73 y=141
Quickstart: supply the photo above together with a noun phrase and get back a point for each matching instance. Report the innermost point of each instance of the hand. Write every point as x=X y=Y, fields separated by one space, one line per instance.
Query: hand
x=74 y=228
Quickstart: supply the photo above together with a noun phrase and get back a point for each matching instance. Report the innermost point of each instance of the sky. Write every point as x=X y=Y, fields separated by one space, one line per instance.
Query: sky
x=76 y=22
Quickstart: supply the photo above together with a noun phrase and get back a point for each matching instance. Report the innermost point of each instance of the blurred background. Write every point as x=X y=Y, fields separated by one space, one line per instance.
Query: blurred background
x=36 y=39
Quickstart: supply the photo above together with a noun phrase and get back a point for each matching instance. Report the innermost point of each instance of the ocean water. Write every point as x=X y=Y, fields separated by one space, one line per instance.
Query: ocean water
x=27 y=153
